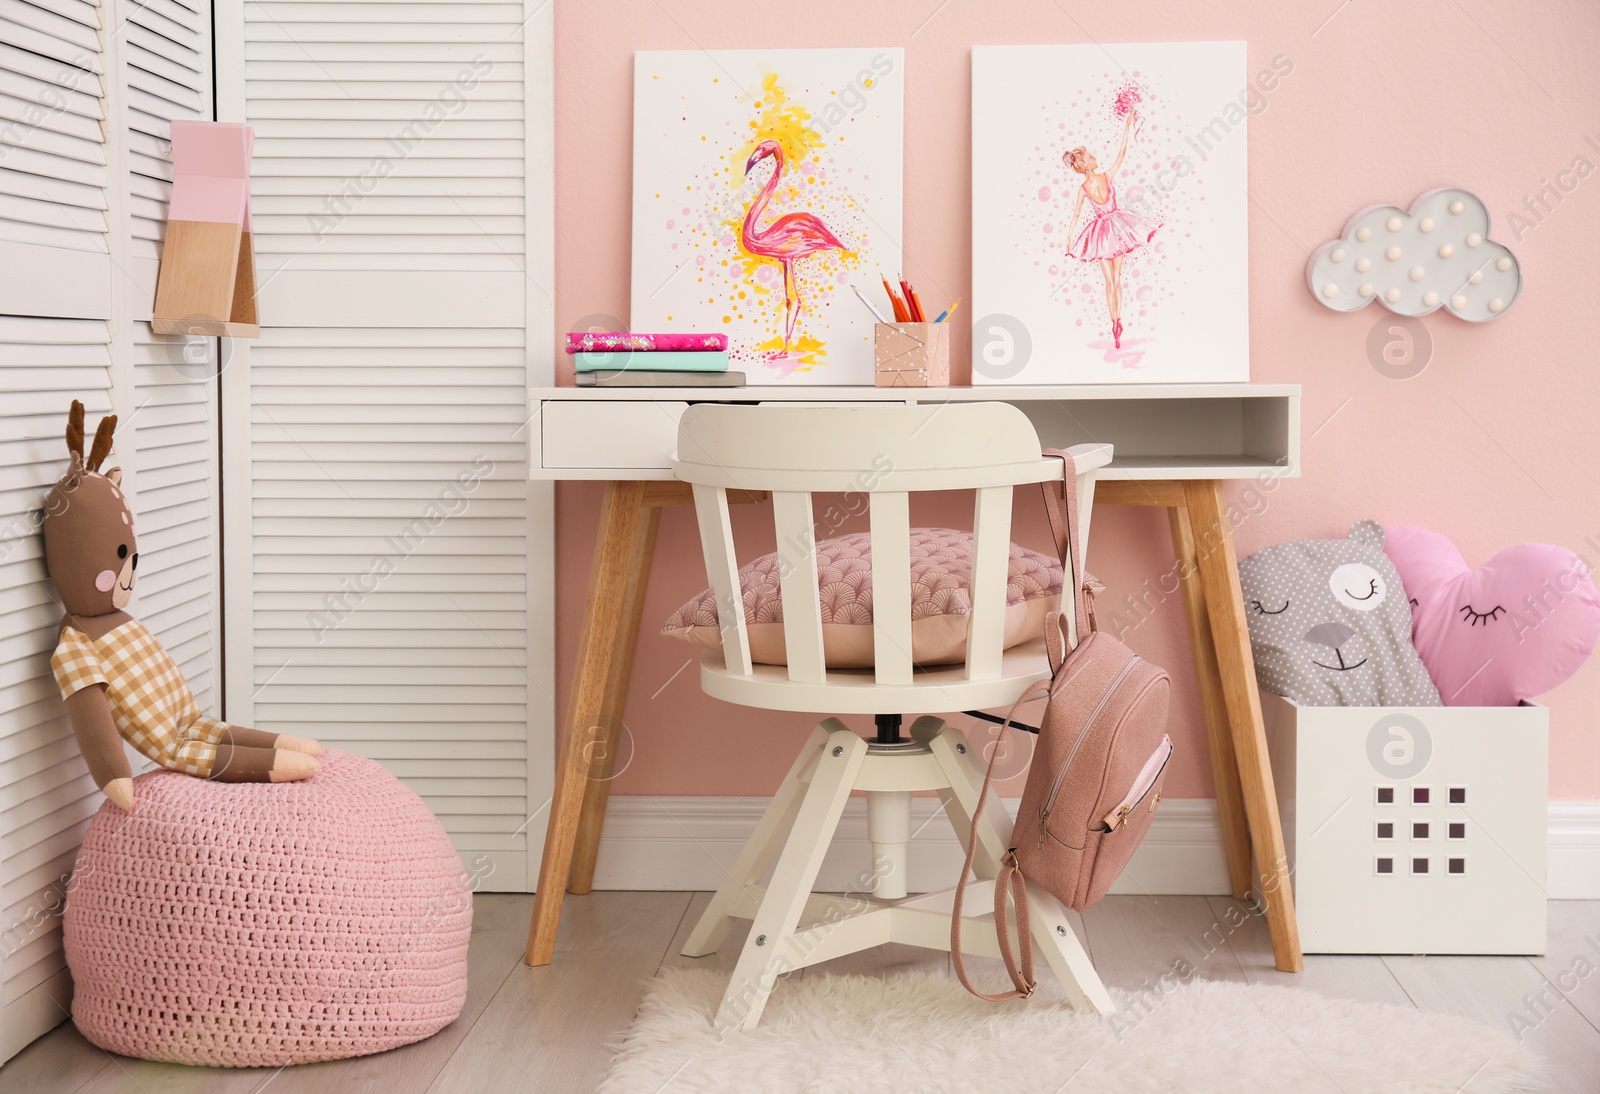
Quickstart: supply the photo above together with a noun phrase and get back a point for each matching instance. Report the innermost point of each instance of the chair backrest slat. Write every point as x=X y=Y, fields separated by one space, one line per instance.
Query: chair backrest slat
x=722 y=573
x=991 y=558
x=884 y=452
x=889 y=513
x=797 y=576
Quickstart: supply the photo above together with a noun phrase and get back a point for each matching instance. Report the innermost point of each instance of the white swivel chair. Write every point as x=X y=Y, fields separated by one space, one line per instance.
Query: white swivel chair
x=885 y=452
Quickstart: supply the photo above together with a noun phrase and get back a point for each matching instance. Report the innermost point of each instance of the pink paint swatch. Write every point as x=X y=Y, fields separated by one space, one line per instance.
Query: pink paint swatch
x=211 y=172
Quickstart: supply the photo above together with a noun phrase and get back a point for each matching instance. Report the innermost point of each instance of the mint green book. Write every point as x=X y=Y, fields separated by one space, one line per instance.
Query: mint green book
x=653 y=361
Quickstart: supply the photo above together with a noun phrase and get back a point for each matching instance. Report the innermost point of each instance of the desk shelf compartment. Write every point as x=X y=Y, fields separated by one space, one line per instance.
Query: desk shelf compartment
x=1161 y=432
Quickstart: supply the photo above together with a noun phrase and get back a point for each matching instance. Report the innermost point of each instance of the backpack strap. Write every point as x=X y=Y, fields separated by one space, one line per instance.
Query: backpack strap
x=1061 y=507
x=1056 y=645
x=1009 y=882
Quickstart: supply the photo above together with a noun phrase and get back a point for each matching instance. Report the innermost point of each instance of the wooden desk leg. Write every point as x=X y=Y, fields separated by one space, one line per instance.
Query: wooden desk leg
x=621 y=514
x=1219 y=734
x=603 y=748
x=1219 y=579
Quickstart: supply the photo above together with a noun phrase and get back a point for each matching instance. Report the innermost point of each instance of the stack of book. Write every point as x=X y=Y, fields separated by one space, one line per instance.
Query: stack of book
x=631 y=359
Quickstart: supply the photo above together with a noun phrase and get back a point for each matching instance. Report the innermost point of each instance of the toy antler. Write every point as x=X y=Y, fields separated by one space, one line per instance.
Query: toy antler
x=102 y=441
x=75 y=430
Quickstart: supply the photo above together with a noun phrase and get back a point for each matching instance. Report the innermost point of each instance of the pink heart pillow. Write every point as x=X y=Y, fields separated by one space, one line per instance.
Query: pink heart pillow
x=1513 y=628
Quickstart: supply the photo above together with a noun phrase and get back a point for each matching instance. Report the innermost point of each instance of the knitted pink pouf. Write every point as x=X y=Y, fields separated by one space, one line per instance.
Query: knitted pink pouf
x=259 y=924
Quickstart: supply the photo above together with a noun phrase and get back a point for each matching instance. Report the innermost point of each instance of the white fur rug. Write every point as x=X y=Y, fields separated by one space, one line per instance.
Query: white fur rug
x=922 y=1032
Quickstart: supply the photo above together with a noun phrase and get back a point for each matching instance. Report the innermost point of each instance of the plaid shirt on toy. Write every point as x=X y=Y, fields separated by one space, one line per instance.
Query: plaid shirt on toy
x=151 y=702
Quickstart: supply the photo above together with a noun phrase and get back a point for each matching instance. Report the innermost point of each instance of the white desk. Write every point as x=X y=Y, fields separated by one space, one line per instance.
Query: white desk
x=1176 y=447
x=1162 y=432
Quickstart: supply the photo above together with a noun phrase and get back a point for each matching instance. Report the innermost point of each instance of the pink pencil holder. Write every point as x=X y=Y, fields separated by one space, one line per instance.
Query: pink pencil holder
x=911 y=355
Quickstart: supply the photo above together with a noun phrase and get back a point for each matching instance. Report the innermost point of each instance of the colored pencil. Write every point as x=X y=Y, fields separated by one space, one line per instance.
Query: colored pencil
x=916 y=302
x=870 y=306
x=951 y=310
x=900 y=315
x=911 y=314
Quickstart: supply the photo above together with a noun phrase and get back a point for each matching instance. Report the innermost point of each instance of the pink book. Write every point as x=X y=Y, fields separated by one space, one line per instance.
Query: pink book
x=211 y=172
x=612 y=341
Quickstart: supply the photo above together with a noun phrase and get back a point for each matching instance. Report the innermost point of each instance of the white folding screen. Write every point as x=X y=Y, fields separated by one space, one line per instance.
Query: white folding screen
x=87 y=91
x=388 y=562
x=164 y=50
x=375 y=437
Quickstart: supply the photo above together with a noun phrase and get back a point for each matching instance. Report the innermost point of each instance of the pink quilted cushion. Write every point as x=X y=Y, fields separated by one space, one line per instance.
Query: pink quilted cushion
x=941 y=571
x=260 y=924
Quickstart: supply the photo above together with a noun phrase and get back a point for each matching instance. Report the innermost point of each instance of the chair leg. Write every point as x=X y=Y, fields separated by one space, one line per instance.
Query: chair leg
x=955 y=757
x=1054 y=937
x=766 y=953
x=759 y=850
x=1052 y=934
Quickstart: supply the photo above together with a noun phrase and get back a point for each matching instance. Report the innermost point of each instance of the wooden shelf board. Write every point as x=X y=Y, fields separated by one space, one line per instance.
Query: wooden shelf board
x=213 y=327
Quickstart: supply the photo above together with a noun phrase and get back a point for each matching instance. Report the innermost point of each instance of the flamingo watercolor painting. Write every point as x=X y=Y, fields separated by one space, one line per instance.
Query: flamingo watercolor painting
x=764 y=183
x=787 y=239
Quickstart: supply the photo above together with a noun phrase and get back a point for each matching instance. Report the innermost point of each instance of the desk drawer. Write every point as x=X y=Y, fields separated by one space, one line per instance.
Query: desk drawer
x=611 y=433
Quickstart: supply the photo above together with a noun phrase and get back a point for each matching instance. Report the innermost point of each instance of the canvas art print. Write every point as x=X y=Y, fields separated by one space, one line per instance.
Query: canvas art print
x=765 y=184
x=1109 y=212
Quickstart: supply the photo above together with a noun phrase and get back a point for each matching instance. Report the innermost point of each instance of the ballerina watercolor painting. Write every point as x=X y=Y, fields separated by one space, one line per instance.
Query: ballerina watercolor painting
x=764 y=182
x=1110 y=233
x=1109 y=214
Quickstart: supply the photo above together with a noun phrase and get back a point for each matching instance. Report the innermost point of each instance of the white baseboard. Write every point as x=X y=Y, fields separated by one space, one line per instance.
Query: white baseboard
x=1573 y=870
x=685 y=843
x=678 y=843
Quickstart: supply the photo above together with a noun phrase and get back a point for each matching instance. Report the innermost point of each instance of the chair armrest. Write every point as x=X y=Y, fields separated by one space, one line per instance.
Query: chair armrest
x=1092 y=456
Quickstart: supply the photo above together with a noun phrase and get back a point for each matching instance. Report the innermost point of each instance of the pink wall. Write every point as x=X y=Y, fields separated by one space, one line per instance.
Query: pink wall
x=1492 y=444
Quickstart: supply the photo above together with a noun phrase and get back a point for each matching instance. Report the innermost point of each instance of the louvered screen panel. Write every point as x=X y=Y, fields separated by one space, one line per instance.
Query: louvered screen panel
x=46 y=795
x=388 y=136
x=175 y=431
x=55 y=345
x=387 y=396
x=87 y=93
x=54 y=257
x=164 y=53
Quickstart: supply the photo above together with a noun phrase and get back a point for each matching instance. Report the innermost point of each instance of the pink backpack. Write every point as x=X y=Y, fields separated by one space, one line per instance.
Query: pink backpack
x=1097 y=770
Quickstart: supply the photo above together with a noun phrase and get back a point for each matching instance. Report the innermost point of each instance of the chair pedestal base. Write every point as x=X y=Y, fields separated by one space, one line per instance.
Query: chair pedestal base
x=792 y=927
x=889 y=830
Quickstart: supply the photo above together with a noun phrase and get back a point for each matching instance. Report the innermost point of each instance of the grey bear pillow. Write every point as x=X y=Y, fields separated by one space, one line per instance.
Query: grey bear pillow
x=1330 y=623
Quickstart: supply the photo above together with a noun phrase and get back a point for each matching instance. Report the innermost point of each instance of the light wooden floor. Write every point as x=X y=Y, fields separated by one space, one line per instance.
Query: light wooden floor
x=544 y=1030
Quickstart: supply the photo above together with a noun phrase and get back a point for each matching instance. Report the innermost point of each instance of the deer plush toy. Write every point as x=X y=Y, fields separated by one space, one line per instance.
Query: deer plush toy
x=115 y=678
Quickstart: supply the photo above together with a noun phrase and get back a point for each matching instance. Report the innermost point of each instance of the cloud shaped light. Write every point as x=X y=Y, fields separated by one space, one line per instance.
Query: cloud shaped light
x=1437 y=255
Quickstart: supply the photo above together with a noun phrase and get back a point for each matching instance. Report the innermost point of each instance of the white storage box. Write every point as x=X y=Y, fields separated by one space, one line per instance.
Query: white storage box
x=1414 y=830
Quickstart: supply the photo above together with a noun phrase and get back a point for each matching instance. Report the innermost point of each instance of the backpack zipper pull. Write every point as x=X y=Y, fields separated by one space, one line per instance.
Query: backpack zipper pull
x=1044 y=818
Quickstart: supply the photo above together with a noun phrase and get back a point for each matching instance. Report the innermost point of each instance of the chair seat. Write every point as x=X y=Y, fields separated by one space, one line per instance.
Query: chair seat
x=935 y=689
